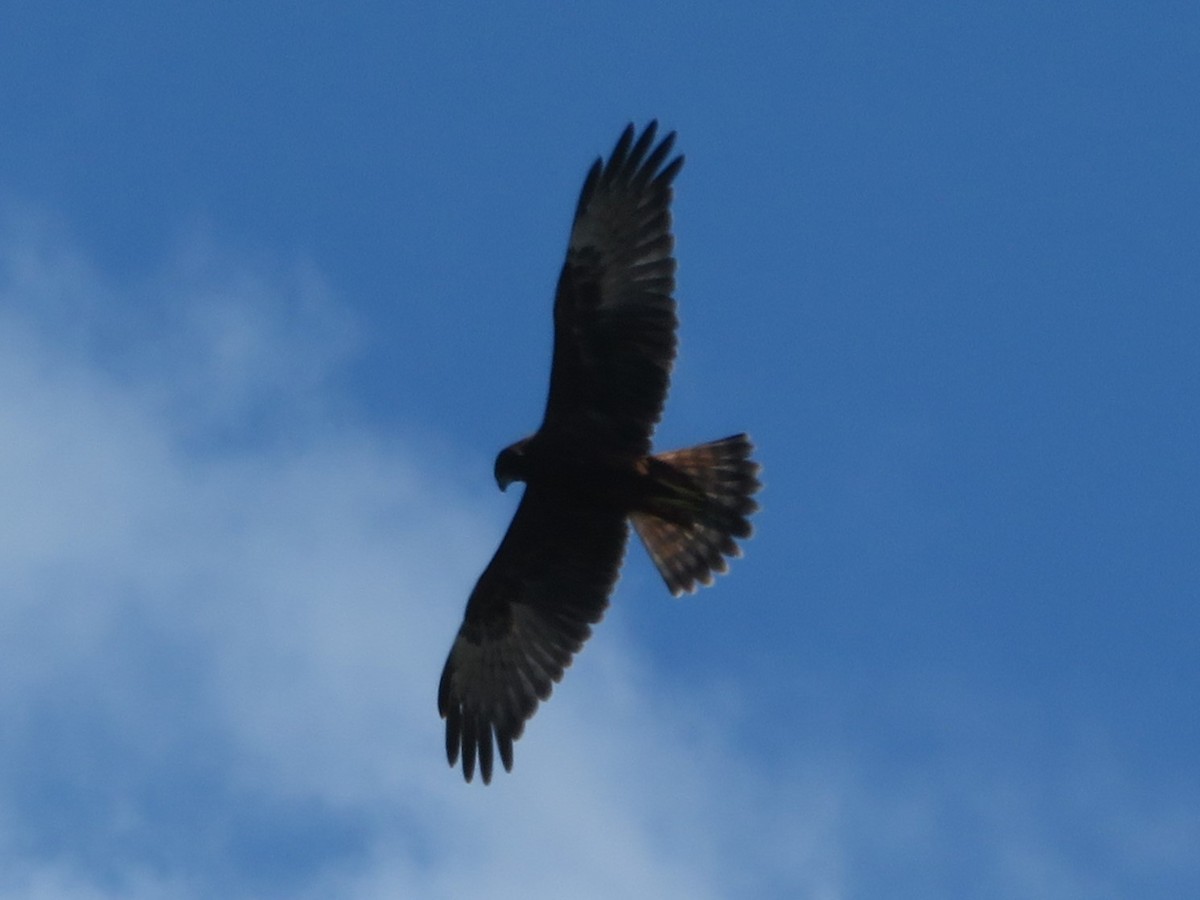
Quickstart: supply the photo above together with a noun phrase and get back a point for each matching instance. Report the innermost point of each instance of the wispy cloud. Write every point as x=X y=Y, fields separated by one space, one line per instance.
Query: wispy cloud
x=218 y=653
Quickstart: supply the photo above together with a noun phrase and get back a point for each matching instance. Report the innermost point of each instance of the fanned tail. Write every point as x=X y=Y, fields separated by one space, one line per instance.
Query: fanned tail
x=701 y=502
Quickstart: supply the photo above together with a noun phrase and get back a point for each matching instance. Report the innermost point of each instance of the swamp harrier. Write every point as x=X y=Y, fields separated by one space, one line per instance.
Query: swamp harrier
x=588 y=470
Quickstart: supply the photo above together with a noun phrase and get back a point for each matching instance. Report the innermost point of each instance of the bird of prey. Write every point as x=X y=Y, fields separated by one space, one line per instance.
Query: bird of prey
x=589 y=471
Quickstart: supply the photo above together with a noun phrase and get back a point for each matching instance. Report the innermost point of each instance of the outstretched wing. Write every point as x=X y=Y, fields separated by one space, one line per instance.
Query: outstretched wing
x=529 y=614
x=614 y=314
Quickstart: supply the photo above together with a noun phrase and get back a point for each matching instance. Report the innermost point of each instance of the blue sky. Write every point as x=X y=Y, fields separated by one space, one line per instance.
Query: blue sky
x=275 y=286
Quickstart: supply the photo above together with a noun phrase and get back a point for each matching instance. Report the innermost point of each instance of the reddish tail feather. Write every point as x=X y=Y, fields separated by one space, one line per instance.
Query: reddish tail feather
x=702 y=504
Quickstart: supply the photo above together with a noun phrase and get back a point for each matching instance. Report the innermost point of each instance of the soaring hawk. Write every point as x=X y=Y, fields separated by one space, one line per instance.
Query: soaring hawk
x=588 y=470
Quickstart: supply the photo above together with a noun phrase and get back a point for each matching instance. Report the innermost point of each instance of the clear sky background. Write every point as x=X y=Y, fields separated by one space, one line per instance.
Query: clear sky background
x=275 y=286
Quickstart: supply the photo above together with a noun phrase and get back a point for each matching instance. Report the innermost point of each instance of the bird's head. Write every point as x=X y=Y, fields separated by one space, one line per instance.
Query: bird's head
x=510 y=464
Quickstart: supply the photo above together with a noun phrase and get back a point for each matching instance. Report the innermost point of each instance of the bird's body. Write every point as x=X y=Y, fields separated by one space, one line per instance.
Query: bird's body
x=588 y=470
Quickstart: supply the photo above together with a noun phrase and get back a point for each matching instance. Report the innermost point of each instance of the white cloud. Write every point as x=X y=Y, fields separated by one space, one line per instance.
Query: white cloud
x=218 y=656
x=225 y=638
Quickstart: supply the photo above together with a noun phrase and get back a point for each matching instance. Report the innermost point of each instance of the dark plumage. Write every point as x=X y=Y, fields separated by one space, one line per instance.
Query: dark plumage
x=588 y=469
